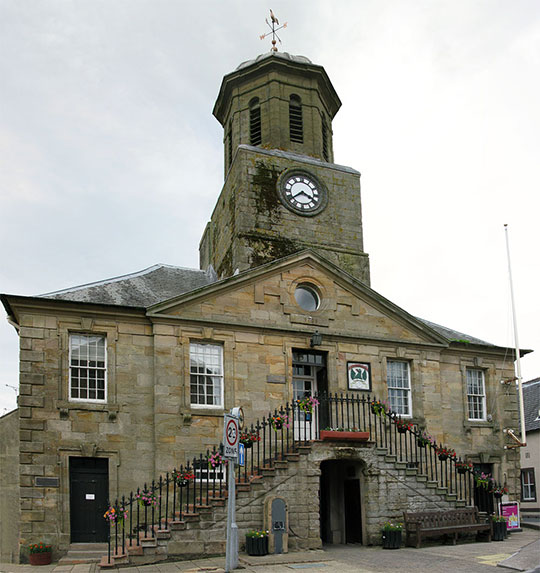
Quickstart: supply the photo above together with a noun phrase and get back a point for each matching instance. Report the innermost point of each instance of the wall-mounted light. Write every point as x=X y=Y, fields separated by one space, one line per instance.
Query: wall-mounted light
x=316 y=339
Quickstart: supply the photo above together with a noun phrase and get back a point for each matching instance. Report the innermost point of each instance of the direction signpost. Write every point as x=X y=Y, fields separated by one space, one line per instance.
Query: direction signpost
x=231 y=435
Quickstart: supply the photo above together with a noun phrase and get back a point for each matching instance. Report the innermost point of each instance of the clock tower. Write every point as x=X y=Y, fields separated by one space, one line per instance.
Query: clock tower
x=283 y=192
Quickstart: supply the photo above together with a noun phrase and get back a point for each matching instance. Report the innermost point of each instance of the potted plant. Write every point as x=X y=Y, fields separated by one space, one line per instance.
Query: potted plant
x=346 y=434
x=463 y=467
x=39 y=554
x=257 y=542
x=278 y=421
x=391 y=535
x=444 y=453
x=379 y=408
x=249 y=438
x=146 y=498
x=115 y=515
x=402 y=425
x=499 y=491
x=499 y=527
x=182 y=477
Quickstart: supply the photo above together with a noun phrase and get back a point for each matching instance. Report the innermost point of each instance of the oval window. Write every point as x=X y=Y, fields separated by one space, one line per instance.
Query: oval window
x=306 y=297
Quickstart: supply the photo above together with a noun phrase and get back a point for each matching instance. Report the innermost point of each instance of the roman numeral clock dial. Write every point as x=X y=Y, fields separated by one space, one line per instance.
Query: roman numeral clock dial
x=302 y=192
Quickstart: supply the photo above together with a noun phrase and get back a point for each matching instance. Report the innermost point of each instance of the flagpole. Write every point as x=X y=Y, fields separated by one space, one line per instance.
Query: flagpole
x=516 y=341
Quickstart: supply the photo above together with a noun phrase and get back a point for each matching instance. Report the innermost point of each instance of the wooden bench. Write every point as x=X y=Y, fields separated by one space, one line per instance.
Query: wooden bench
x=424 y=524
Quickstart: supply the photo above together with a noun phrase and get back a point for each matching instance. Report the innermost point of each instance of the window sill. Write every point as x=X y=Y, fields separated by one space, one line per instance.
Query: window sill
x=470 y=424
x=205 y=411
x=65 y=407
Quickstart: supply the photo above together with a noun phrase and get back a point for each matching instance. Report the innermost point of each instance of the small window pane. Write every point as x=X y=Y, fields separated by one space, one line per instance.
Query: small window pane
x=306 y=297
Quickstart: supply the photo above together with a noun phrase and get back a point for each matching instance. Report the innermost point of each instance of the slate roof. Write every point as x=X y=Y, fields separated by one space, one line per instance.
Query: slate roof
x=455 y=335
x=531 y=404
x=162 y=282
x=141 y=289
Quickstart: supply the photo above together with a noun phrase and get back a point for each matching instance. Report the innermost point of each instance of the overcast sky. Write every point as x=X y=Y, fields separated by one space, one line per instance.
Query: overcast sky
x=111 y=160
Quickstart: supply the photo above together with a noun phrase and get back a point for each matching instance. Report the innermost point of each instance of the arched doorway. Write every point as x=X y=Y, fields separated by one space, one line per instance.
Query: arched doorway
x=341 y=501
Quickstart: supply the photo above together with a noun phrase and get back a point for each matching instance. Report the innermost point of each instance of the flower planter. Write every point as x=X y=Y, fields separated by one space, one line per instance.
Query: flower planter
x=327 y=435
x=277 y=425
x=401 y=429
x=257 y=545
x=443 y=457
x=391 y=539
x=247 y=445
x=462 y=470
x=497 y=494
x=421 y=444
x=40 y=558
x=499 y=530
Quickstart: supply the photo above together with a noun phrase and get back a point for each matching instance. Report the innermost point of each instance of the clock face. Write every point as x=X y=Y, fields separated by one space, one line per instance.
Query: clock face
x=302 y=193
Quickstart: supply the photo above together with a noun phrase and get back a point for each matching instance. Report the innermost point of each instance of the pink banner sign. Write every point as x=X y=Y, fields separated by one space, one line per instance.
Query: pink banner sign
x=510 y=510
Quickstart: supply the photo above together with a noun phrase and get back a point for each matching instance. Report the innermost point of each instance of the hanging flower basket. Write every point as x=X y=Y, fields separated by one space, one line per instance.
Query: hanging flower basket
x=402 y=425
x=444 y=453
x=499 y=491
x=307 y=404
x=215 y=460
x=249 y=438
x=379 y=408
x=424 y=439
x=147 y=499
x=115 y=515
x=278 y=421
x=183 y=477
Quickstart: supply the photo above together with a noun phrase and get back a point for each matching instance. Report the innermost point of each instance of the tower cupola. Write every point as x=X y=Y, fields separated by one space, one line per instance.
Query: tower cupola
x=278 y=101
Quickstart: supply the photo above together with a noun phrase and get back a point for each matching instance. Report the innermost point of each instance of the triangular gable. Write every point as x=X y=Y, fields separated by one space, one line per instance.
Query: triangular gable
x=264 y=298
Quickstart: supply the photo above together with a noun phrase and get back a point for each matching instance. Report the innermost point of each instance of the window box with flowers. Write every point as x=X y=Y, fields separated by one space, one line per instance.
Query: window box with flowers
x=257 y=542
x=344 y=434
x=39 y=554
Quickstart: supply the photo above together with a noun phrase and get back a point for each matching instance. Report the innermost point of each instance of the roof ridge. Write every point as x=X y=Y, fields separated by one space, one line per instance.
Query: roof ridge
x=118 y=278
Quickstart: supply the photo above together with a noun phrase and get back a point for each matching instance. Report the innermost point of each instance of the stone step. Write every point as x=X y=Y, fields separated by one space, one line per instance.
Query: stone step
x=84 y=553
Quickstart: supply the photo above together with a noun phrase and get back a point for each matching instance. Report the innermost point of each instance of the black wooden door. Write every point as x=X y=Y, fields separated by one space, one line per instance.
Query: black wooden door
x=89 y=490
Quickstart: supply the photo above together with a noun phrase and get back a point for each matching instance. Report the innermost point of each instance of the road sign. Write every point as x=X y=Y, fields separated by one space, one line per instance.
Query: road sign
x=241 y=454
x=231 y=435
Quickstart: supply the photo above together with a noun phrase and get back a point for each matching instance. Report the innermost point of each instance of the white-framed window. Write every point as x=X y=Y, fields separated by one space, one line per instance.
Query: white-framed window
x=476 y=394
x=206 y=374
x=398 y=378
x=528 y=485
x=87 y=368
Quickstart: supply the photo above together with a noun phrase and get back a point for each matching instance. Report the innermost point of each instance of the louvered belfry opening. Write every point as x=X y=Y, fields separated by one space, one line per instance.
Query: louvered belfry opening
x=326 y=157
x=296 y=128
x=255 y=135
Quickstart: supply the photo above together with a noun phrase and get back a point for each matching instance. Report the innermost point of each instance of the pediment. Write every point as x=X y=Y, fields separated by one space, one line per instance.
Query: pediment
x=265 y=298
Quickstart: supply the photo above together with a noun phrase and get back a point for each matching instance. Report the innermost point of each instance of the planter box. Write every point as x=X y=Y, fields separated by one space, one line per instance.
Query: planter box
x=40 y=558
x=257 y=545
x=499 y=530
x=328 y=435
x=391 y=539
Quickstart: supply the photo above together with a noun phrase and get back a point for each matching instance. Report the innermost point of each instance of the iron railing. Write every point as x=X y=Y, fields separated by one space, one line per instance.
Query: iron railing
x=173 y=497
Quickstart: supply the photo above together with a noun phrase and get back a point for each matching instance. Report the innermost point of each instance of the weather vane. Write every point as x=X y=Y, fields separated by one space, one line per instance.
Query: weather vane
x=275 y=22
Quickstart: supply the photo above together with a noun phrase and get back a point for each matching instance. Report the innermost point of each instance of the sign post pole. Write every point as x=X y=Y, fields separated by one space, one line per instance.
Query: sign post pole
x=231 y=435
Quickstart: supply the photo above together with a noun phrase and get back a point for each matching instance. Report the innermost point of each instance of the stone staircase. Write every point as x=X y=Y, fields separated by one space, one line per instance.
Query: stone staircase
x=83 y=553
x=295 y=477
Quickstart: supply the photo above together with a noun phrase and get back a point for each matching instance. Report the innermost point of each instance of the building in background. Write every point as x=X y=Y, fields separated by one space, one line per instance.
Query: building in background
x=530 y=455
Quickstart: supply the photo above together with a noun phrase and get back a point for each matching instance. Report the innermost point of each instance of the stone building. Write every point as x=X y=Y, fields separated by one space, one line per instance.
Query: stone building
x=125 y=379
x=530 y=455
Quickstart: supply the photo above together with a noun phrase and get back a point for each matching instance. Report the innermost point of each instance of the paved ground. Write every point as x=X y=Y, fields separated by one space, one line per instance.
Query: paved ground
x=520 y=552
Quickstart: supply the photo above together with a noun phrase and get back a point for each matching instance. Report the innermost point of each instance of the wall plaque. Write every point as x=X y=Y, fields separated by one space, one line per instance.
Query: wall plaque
x=47 y=482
